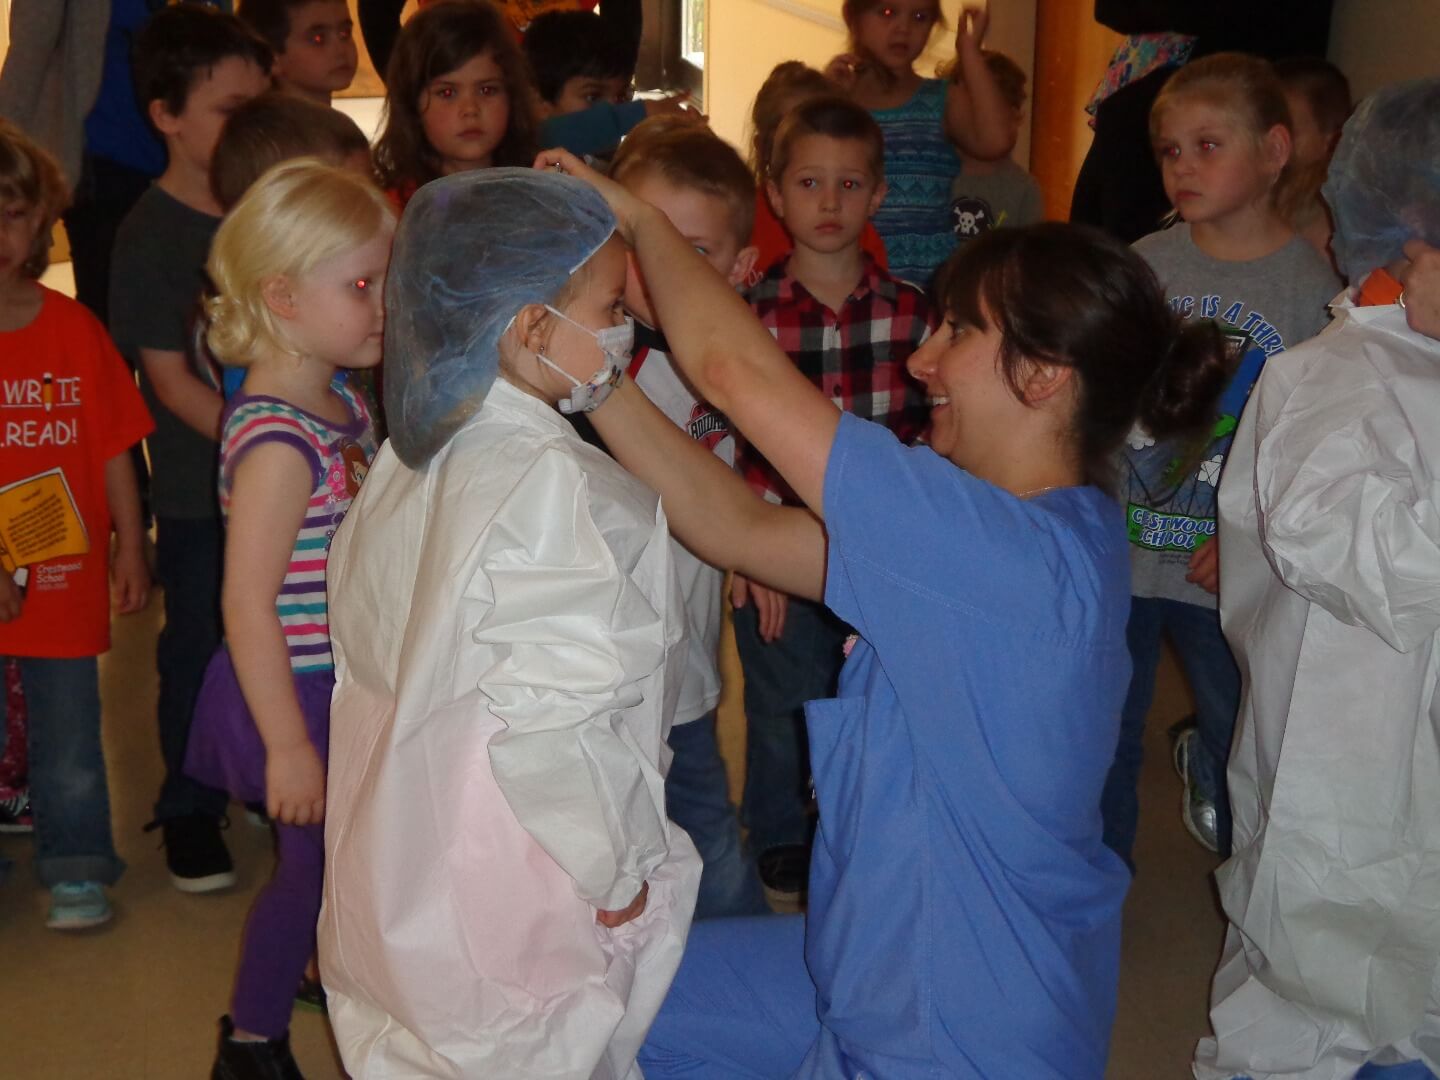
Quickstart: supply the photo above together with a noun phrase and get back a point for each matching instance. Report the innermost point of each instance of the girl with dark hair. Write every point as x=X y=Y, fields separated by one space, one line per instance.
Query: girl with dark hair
x=458 y=97
x=964 y=915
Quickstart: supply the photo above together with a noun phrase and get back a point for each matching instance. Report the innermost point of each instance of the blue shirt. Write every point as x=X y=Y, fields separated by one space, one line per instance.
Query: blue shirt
x=596 y=130
x=964 y=915
x=116 y=127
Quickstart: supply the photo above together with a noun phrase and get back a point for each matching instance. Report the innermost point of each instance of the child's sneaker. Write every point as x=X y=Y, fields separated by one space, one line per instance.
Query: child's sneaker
x=16 y=815
x=1196 y=812
x=77 y=905
x=259 y=1060
x=194 y=853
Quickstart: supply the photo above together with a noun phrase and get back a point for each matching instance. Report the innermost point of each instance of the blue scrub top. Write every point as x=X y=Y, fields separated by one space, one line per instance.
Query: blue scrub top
x=964 y=916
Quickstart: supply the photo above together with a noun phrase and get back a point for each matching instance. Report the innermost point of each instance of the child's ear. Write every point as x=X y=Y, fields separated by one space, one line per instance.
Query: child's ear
x=278 y=298
x=743 y=265
x=777 y=204
x=531 y=326
x=544 y=110
x=1276 y=147
x=164 y=121
x=881 y=190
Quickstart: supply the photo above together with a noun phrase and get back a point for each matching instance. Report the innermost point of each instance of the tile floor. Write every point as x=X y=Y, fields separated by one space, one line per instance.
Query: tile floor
x=138 y=1000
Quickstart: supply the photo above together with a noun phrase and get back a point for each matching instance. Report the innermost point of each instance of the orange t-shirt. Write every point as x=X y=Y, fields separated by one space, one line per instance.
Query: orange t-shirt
x=67 y=402
x=774 y=242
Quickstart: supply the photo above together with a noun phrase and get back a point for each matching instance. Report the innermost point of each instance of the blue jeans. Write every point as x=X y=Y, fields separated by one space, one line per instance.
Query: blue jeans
x=697 y=798
x=742 y=1006
x=780 y=678
x=188 y=557
x=68 y=790
x=1215 y=682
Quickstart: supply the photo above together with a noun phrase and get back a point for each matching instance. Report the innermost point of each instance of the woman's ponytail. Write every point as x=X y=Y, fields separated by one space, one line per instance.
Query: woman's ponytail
x=1181 y=393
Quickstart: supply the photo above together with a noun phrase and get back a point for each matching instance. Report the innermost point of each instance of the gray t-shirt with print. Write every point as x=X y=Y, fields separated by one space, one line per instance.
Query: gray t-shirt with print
x=1264 y=306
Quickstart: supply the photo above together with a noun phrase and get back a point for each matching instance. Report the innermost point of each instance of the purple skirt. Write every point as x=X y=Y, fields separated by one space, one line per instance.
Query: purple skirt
x=225 y=750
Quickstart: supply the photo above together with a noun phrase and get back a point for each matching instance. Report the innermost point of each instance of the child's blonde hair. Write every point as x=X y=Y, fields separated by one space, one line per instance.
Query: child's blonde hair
x=28 y=174
x=296 y=216
x=1244 y=86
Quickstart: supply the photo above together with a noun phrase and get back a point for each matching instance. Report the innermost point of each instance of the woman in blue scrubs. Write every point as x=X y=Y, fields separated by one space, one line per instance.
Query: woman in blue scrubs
x=964 y=915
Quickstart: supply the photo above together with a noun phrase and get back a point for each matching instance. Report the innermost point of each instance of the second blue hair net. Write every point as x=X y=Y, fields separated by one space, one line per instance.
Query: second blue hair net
x=1384 y=183
x=473 y=249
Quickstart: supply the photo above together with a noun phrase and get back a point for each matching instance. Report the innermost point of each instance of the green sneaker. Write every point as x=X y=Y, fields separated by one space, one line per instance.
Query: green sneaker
x=78 y=905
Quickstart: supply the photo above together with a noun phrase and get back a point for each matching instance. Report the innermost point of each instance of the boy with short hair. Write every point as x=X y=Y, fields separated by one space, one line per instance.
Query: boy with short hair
x=850 y=328
x=194 y=66
x=994 y=192
x=700 y=183
x=313 y=42
x=583 y=68
x=71 y=416
x=1318 y=94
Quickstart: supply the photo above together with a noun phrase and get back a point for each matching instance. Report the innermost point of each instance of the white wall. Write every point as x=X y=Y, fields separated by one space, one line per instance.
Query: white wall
x=747 y=38
x=1379 y=41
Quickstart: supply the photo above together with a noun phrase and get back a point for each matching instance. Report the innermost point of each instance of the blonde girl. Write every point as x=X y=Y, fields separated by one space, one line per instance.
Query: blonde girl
x=299 y=269
x=458 y=97
x=921 y=118
x=1220 y=129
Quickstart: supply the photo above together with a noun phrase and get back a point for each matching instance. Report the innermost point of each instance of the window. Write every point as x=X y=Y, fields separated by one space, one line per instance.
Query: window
x=672 y=47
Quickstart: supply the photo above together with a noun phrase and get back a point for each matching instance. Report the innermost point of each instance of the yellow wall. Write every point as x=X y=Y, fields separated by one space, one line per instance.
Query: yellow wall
x=1379 y=41
x=747 y=38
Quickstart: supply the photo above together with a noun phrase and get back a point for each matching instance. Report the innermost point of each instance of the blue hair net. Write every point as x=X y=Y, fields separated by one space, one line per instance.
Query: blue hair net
x=473 y=249
x=1384 y=181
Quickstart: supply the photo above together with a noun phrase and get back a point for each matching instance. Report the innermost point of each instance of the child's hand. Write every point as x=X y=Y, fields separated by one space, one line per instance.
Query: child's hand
x=1422 y=288
x=971 y=26
x=129 y=579
x=844 y=69
x=295 y=785
x=674 y=105
x=11 y=598
x=626 y=207
x=1205 y=566
x=633 y=910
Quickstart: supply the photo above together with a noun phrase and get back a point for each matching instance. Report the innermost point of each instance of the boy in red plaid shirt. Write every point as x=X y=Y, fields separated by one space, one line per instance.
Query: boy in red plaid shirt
x=850 y=327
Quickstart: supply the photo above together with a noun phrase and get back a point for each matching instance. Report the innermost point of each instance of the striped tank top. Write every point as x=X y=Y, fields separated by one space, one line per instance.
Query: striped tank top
x=338 y=457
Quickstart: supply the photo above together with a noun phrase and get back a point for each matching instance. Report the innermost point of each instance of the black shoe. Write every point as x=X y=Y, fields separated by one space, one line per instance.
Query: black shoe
x=195 y=853
x=268 y=1060
x=785 y=873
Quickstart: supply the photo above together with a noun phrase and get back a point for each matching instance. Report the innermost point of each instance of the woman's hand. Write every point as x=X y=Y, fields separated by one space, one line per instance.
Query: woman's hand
x=1421 y=279
x=295 y=784
x=633 y=910
x=625 y=206
x=770 y=605
x=1205 y=566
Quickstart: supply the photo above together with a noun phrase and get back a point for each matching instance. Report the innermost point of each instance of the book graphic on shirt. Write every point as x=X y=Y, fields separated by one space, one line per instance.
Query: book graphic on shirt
x=39 y=521
x=1172 y=485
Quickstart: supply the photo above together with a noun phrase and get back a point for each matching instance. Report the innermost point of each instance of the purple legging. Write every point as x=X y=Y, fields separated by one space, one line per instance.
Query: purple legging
x=280 y=933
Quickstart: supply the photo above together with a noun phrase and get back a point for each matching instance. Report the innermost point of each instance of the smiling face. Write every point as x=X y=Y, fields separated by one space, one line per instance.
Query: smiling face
x=339 y=307
x=319 y=57
x=971 y=401
x=896 y=33
x=827 y=192
x=705 y=221
x=465 y=114
x=1212 y=165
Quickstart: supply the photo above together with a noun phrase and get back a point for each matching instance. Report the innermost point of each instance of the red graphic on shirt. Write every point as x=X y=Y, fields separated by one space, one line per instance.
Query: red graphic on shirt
x=708 y=426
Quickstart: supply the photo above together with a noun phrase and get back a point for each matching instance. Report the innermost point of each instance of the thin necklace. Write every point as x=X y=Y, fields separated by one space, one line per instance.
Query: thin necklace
x=1038 y=491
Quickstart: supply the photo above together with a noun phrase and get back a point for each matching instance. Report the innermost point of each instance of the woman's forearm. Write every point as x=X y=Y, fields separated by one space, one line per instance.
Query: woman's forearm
x=710 y=508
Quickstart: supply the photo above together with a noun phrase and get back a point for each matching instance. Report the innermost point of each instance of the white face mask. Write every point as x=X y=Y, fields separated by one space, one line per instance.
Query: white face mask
x=616 y=342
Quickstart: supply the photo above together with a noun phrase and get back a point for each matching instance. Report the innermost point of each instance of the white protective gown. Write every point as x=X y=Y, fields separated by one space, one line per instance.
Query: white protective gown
x=508 y=647
x=1330 y=598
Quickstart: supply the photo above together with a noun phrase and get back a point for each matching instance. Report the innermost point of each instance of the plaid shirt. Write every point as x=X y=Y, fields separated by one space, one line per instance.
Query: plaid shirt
x=856 y=356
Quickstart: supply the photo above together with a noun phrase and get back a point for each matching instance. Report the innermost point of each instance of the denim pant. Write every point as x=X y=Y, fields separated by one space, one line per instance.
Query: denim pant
x=780 y=678
x=1214 y=680
x=742 y=1006
x=697 y=798
x=68 y=790
x=187 y=562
